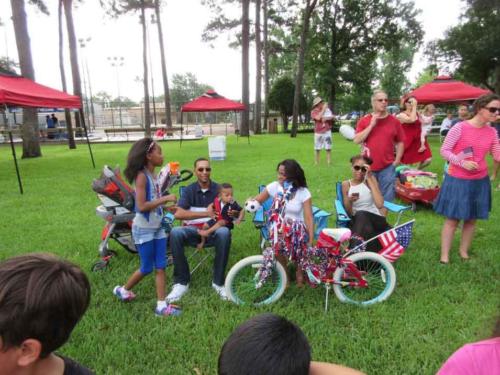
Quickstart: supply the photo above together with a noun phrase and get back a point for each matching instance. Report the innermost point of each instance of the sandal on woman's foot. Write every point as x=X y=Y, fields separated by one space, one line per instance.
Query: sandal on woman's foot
x=444 y=261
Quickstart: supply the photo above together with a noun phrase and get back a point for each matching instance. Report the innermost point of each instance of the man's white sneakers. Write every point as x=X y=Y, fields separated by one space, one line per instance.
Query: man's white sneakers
x=177 y=292
x=221 y=291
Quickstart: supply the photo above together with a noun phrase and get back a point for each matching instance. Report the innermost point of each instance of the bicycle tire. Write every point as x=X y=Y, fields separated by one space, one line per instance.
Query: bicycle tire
x=241 y=283
x=379 y=273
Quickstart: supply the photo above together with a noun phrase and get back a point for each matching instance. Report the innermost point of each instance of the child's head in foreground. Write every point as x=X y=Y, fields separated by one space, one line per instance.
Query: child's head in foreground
x=226 y=192
x=265 y=344
x=42 y=298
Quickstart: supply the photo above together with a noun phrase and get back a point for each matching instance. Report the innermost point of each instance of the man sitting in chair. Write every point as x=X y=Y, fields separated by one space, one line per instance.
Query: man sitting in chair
x=195 y=208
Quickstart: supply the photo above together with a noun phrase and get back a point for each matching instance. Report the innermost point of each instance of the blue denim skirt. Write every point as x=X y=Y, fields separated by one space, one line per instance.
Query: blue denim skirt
x=463 y=199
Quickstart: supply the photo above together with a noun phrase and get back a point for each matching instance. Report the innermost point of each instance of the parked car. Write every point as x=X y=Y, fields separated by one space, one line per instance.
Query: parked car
x=393 y=109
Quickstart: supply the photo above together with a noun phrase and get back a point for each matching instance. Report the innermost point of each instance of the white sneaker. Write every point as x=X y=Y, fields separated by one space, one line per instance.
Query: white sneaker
x=221 y=291
x=177 y=292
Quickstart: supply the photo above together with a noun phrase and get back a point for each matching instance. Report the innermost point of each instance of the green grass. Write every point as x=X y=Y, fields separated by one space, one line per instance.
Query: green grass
x=434 y=310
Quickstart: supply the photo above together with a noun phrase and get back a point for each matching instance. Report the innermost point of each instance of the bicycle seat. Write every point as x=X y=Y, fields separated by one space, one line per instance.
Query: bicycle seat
x=337 y=234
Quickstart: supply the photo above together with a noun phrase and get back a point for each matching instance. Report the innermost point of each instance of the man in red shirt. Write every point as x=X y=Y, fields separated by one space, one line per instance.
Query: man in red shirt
x=323 y=118
x=380 y=133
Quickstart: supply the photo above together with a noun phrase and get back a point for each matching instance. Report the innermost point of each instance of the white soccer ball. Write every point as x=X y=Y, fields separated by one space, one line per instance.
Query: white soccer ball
x=252 y=205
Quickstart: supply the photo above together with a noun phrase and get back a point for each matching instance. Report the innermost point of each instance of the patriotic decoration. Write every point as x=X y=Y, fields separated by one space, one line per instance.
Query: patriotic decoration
x=395 y=241
x=466 y=154
x=291 y=238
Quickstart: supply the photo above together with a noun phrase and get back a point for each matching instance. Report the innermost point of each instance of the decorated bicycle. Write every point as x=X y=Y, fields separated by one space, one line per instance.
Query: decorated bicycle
x=355 y=275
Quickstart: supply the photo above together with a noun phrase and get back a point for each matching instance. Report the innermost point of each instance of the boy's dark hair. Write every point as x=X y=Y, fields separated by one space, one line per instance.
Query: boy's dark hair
x=198 y=160
x=294 y=172
x=41 y=297
x=265 y=344
x=225 y=185
x=136 y=160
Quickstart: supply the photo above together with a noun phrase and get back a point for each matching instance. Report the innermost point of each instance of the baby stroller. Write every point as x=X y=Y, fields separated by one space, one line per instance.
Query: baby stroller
x=414 y=186
x=118 y=210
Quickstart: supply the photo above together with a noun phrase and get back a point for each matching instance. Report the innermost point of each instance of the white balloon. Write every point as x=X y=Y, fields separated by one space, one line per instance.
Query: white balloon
x=347 y=132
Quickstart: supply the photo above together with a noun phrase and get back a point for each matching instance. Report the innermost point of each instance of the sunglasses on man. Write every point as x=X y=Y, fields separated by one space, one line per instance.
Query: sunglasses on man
x=201 y=169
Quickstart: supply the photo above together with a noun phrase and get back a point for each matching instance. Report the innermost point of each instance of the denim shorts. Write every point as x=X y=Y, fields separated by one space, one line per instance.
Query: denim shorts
x=143 y=235
x=386 y=181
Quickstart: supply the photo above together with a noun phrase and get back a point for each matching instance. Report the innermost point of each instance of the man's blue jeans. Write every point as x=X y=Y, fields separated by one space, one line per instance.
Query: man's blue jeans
x=181 y=236
x=387 y=182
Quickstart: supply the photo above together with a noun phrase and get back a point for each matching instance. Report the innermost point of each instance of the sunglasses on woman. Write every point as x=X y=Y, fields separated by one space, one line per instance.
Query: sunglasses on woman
x=493 y=109
x=358 y=167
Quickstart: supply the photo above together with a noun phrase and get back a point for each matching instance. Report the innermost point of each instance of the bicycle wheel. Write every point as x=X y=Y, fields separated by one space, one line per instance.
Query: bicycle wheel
x=376 y=270
x=241 y=282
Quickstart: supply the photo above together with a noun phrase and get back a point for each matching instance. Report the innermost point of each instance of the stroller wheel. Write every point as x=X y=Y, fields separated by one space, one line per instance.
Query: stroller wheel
x=100 y=265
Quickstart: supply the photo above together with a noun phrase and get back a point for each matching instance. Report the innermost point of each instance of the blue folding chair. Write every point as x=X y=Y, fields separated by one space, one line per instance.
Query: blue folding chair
x=343 y=218
x=320 y=218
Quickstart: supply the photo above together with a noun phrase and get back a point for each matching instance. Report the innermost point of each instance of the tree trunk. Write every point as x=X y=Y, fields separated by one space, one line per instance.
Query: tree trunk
x=166 y=91
x=67 y=114
x=300 y=64
x=266 y=64
x=75 y=70
x=332 y=94
x=258 y=66
x=245 y=46
x=147 y=114
x=31 y=144
x=284 y=118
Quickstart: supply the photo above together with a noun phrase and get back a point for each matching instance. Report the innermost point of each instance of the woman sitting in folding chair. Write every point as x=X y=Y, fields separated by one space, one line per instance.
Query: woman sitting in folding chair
x=363 y=201
x=298 y=228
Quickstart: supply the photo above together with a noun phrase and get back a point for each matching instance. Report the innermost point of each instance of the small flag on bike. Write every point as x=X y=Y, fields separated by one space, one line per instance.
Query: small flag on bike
x=395 y=241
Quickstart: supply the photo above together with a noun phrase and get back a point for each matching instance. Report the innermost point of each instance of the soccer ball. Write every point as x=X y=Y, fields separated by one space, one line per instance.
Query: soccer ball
x=252 y=205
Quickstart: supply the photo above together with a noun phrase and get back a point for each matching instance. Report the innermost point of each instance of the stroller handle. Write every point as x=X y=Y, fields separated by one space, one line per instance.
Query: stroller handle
x=108 y=172
x=185 y=175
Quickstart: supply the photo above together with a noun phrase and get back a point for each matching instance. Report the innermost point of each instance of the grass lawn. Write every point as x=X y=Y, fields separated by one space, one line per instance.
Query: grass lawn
x=434 y=310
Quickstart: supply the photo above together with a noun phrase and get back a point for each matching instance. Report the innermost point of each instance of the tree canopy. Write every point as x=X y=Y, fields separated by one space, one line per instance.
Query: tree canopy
x=473 y=46
x=185 y=87
x=281 y=98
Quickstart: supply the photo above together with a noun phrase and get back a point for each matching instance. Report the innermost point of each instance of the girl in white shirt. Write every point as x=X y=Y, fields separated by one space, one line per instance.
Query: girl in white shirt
x=298 y=212
x=364 y=202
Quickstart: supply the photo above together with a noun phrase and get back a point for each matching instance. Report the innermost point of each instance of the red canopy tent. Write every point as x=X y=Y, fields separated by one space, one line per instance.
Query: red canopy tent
x=445 y=89
x=22 y=92
x=17 y=91
x=211 y=102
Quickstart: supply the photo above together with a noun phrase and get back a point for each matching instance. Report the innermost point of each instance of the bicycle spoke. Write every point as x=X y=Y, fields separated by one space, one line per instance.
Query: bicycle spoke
x=244 y=286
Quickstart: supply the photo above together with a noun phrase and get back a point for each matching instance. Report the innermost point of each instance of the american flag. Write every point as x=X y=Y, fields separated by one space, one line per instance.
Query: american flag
x=466 y=154
x=395 y=241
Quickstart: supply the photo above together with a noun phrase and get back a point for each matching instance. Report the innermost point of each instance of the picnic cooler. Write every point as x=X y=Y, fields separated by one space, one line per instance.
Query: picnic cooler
x=414 y=186
x=217 y=148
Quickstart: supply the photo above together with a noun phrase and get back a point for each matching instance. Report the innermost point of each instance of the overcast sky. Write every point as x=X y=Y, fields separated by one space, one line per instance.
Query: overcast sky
x=183 y=22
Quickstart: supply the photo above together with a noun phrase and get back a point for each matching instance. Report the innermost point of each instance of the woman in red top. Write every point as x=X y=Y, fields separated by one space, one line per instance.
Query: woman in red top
x=412 y=128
